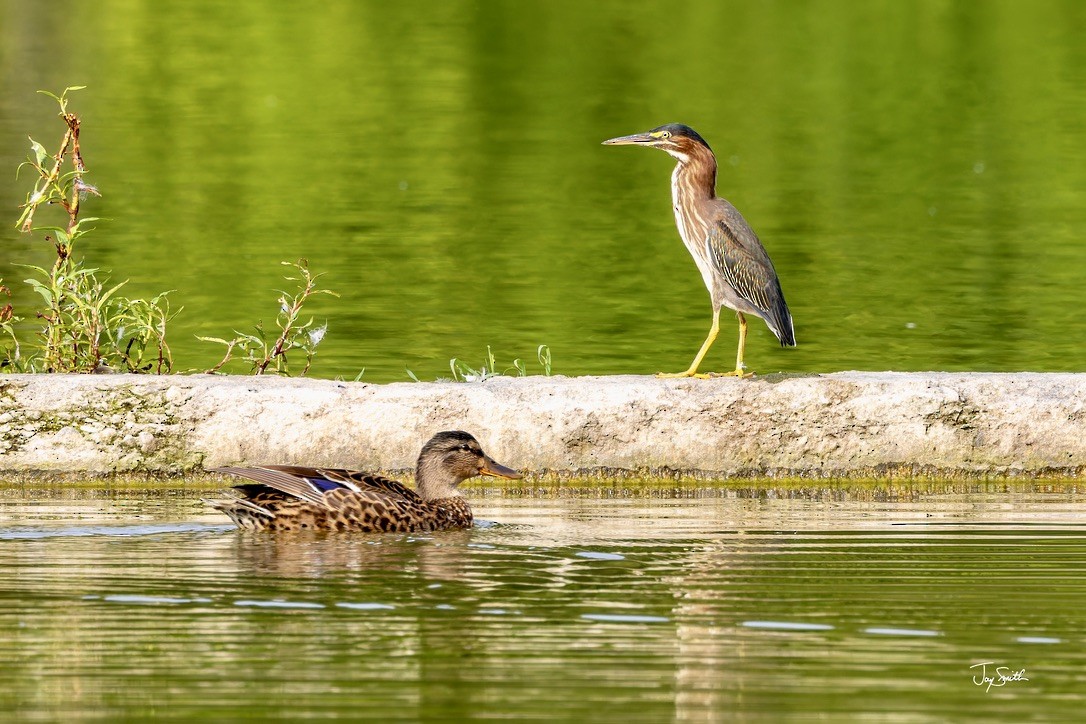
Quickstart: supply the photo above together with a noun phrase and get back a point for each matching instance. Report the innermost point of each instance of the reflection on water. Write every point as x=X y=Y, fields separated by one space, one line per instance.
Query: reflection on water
x=695 y=605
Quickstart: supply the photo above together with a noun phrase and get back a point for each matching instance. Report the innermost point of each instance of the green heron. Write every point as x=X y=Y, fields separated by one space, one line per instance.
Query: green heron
x=733 y=263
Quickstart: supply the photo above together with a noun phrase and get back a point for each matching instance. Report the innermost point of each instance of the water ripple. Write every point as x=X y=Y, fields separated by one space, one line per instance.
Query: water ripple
x=110 y=530
x=624 y=618
x=279 y=604
x=787 y=625
x=900 y=632
x=594 y=555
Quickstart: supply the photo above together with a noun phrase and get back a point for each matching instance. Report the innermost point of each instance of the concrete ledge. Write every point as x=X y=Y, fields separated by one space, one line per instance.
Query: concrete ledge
x=849 y=424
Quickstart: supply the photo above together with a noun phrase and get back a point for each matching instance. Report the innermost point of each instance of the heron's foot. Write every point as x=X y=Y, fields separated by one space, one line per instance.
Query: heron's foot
x=740 y=373
x=687 y=373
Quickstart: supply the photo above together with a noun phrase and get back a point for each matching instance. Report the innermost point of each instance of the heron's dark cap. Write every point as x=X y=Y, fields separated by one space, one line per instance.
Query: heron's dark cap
x=682 y=130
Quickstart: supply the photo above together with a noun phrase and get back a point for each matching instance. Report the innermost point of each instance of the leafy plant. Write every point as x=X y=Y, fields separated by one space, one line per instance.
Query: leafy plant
x=463 y=372
x=142 y=322
x=260 y=350
x=8 y=320
x=87 y=326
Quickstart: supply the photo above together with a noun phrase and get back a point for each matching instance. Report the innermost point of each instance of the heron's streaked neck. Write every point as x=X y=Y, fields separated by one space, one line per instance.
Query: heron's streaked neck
x=694 y=177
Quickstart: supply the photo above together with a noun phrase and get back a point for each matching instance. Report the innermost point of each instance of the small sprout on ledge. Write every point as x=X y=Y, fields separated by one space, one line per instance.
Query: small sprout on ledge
x=543 y=354
x=464 y=372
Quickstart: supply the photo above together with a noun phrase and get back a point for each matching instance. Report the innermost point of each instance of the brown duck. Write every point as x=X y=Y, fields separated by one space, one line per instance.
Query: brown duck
x=290 y=497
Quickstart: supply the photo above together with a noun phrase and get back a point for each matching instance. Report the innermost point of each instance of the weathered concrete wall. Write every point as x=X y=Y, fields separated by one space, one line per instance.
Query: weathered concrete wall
x=847 y=424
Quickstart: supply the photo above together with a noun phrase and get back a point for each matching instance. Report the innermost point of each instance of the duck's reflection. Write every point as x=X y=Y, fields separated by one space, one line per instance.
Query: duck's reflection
x=321 y=555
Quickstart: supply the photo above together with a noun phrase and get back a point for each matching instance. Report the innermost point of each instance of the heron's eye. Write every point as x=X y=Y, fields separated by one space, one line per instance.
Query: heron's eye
x=665 y=134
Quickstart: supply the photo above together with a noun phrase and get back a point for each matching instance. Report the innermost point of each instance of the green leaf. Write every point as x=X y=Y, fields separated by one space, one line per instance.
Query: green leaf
x=78 y=228
x=45 y=292
x=39 y=151
x=56 y=229
x=110 y=293
x=47 y=93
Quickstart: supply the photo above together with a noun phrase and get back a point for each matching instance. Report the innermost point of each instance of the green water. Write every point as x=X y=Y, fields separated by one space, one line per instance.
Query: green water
x=917 y=171
x=638 y=604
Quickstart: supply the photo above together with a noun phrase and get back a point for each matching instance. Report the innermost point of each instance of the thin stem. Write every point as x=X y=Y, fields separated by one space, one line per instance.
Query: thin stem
x=77 y=162
x=226 y=358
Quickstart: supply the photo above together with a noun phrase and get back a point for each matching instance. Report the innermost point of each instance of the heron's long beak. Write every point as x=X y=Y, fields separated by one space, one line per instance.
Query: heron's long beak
x=637 y=139
x=497 y=470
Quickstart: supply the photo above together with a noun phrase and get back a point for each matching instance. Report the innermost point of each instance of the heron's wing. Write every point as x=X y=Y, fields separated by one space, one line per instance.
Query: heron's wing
x=739 y=256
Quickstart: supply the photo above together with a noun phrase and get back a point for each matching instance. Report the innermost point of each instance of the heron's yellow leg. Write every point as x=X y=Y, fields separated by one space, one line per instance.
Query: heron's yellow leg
x=693 y=371
x=740 y=368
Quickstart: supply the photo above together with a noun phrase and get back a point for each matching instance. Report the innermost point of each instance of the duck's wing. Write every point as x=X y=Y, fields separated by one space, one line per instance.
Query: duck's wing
x=377 y=484
x=329 y=479
x=313 y=484
x=280 y=478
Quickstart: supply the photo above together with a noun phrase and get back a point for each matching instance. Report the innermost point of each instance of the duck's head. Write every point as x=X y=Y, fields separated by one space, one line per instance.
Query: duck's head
x=450 y=458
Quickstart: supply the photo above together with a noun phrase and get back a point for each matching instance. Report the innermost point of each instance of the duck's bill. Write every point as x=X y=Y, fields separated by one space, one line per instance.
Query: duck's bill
x=497 y=470
x=634 y=140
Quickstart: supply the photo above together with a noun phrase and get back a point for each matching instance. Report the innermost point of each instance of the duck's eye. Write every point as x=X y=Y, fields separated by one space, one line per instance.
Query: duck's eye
x=463 y=447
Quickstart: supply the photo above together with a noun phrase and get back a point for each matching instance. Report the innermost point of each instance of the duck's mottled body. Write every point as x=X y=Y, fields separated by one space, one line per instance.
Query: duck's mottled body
x=293 y=498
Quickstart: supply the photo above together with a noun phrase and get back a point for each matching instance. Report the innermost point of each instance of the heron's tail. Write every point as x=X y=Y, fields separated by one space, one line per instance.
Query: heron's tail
x=779 y=319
